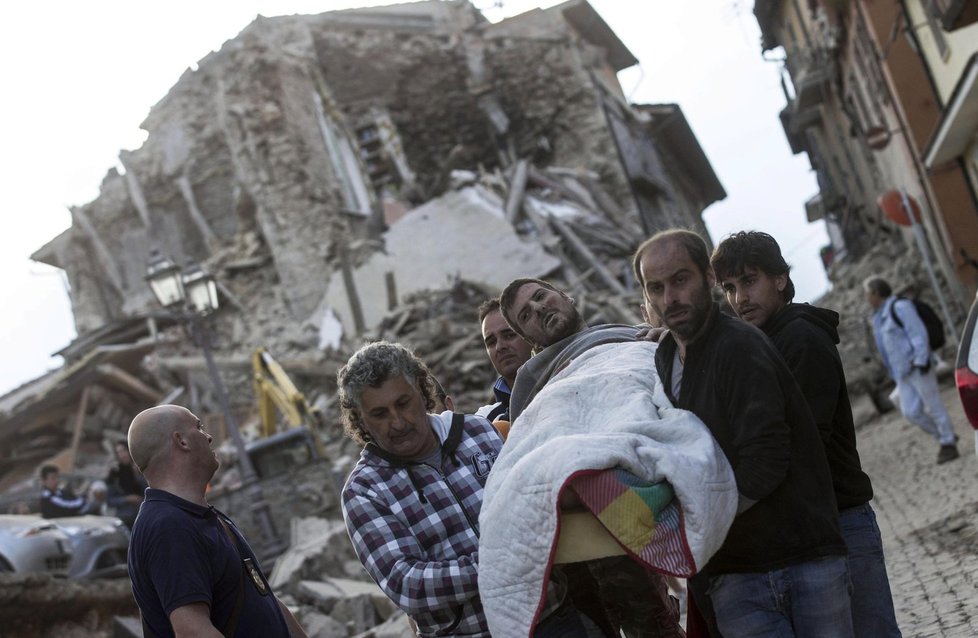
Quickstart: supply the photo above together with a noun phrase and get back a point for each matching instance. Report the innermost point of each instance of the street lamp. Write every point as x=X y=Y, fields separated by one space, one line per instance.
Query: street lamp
x=190 y=294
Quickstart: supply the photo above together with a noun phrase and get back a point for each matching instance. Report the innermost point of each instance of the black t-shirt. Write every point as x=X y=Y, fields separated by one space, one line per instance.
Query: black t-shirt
x=179 y=554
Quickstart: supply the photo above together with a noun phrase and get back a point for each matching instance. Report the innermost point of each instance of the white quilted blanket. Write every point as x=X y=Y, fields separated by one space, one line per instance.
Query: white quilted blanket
x=607 y=408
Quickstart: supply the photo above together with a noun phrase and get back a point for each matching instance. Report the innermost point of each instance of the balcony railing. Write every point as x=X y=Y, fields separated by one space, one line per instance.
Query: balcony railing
x=795 y=122
x=812 y=73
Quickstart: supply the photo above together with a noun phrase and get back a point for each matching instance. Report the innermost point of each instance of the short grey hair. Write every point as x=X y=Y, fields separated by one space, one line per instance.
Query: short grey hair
x=370 y=367
x=878 y=286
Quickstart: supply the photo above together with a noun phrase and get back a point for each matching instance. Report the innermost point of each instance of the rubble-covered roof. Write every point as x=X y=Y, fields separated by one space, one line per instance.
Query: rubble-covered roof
x=63 y=386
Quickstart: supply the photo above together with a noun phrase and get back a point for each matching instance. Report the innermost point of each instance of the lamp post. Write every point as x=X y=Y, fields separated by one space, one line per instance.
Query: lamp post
x=190 y=295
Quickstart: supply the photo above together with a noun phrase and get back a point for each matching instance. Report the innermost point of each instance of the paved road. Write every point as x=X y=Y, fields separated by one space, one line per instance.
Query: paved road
x=928 y=515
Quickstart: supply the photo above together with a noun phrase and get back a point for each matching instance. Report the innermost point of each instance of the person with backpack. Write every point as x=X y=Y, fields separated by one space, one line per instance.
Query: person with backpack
x=906 y=347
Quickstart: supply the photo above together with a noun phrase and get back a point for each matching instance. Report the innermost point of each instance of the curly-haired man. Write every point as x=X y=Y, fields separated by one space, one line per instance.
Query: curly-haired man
x=412 y=501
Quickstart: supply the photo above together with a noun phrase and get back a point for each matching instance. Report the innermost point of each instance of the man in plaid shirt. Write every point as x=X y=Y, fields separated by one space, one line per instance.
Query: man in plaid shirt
x=412 y=502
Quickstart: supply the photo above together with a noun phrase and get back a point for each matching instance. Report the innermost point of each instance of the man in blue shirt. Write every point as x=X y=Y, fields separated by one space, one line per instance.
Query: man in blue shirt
x=905 y=349
x=192 y=572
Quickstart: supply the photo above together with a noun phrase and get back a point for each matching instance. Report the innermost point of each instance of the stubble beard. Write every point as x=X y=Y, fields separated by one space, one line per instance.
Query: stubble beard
x=696 y=315
x=565 y=326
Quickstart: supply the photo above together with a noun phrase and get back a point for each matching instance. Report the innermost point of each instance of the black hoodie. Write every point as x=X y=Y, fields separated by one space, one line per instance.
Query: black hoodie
x=806 y=336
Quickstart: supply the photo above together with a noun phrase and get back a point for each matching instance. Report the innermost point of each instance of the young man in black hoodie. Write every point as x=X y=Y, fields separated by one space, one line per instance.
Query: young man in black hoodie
x=754 y=276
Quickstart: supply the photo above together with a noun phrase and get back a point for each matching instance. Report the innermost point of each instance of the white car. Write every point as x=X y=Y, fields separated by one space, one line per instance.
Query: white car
x=31 y=544
x=77 y=546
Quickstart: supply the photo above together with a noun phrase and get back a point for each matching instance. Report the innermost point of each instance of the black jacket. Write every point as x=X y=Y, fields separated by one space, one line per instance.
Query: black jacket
x=60 y=503
x=806 y=337
x=735 y=381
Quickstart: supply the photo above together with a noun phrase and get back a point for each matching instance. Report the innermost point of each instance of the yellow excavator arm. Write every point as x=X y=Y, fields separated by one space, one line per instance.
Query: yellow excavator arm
x=277 y=393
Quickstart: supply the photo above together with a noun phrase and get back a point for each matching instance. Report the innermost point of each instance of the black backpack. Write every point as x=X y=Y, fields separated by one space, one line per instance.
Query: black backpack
x=933 y=323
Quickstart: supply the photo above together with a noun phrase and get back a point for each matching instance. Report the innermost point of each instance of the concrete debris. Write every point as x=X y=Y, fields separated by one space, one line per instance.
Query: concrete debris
x=319 y=546
x=326 y=593
x=318 y=625
x=358 y=605
x=460 y=235
x=42 y=605
x=361 y=613
x=397 y=626
x=330 y=331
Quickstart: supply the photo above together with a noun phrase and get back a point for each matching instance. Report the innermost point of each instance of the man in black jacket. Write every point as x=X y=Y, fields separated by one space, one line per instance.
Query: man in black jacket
x=755 y=279
x=782 y=568
x=57 y=501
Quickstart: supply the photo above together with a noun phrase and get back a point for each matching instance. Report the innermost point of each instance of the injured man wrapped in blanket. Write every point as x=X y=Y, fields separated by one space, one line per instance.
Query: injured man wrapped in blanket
x=601 y=427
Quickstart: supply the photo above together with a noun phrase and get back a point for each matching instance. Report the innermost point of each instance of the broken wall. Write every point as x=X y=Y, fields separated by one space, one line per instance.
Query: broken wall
x=238 y=144
x=461 y=235
x=548 y=79
x=418 y=78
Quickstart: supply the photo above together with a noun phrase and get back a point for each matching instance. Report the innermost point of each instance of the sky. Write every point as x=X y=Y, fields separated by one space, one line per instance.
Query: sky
x=80 y=77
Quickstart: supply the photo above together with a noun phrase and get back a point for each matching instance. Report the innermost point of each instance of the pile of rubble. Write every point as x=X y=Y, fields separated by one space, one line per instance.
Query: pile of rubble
x=319 y=574
x=42 y=606
x=321 y=579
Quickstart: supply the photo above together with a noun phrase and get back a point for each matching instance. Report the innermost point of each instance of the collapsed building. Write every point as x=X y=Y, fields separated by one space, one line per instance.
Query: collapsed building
x=326 y=168
x=358 y=174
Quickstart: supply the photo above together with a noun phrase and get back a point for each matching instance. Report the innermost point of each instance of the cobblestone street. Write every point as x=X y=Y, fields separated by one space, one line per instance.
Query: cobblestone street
x=928 y=515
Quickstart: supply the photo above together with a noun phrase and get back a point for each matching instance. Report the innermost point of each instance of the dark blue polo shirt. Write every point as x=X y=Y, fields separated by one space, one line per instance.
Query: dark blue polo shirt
x=179 y=554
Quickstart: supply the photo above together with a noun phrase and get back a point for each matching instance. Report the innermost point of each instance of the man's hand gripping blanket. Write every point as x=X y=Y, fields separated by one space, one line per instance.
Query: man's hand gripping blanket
x=603 y=427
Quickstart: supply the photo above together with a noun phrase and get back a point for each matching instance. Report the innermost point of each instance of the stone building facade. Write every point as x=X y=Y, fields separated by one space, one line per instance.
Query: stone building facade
x=862 y=105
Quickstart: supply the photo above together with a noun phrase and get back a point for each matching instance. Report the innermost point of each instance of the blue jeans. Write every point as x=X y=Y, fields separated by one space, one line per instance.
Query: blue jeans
x=920 y=402
x=809 y=600
x=872 y=603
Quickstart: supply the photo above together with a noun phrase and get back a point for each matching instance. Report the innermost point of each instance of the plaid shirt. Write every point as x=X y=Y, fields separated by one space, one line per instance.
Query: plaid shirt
x=415 y=527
